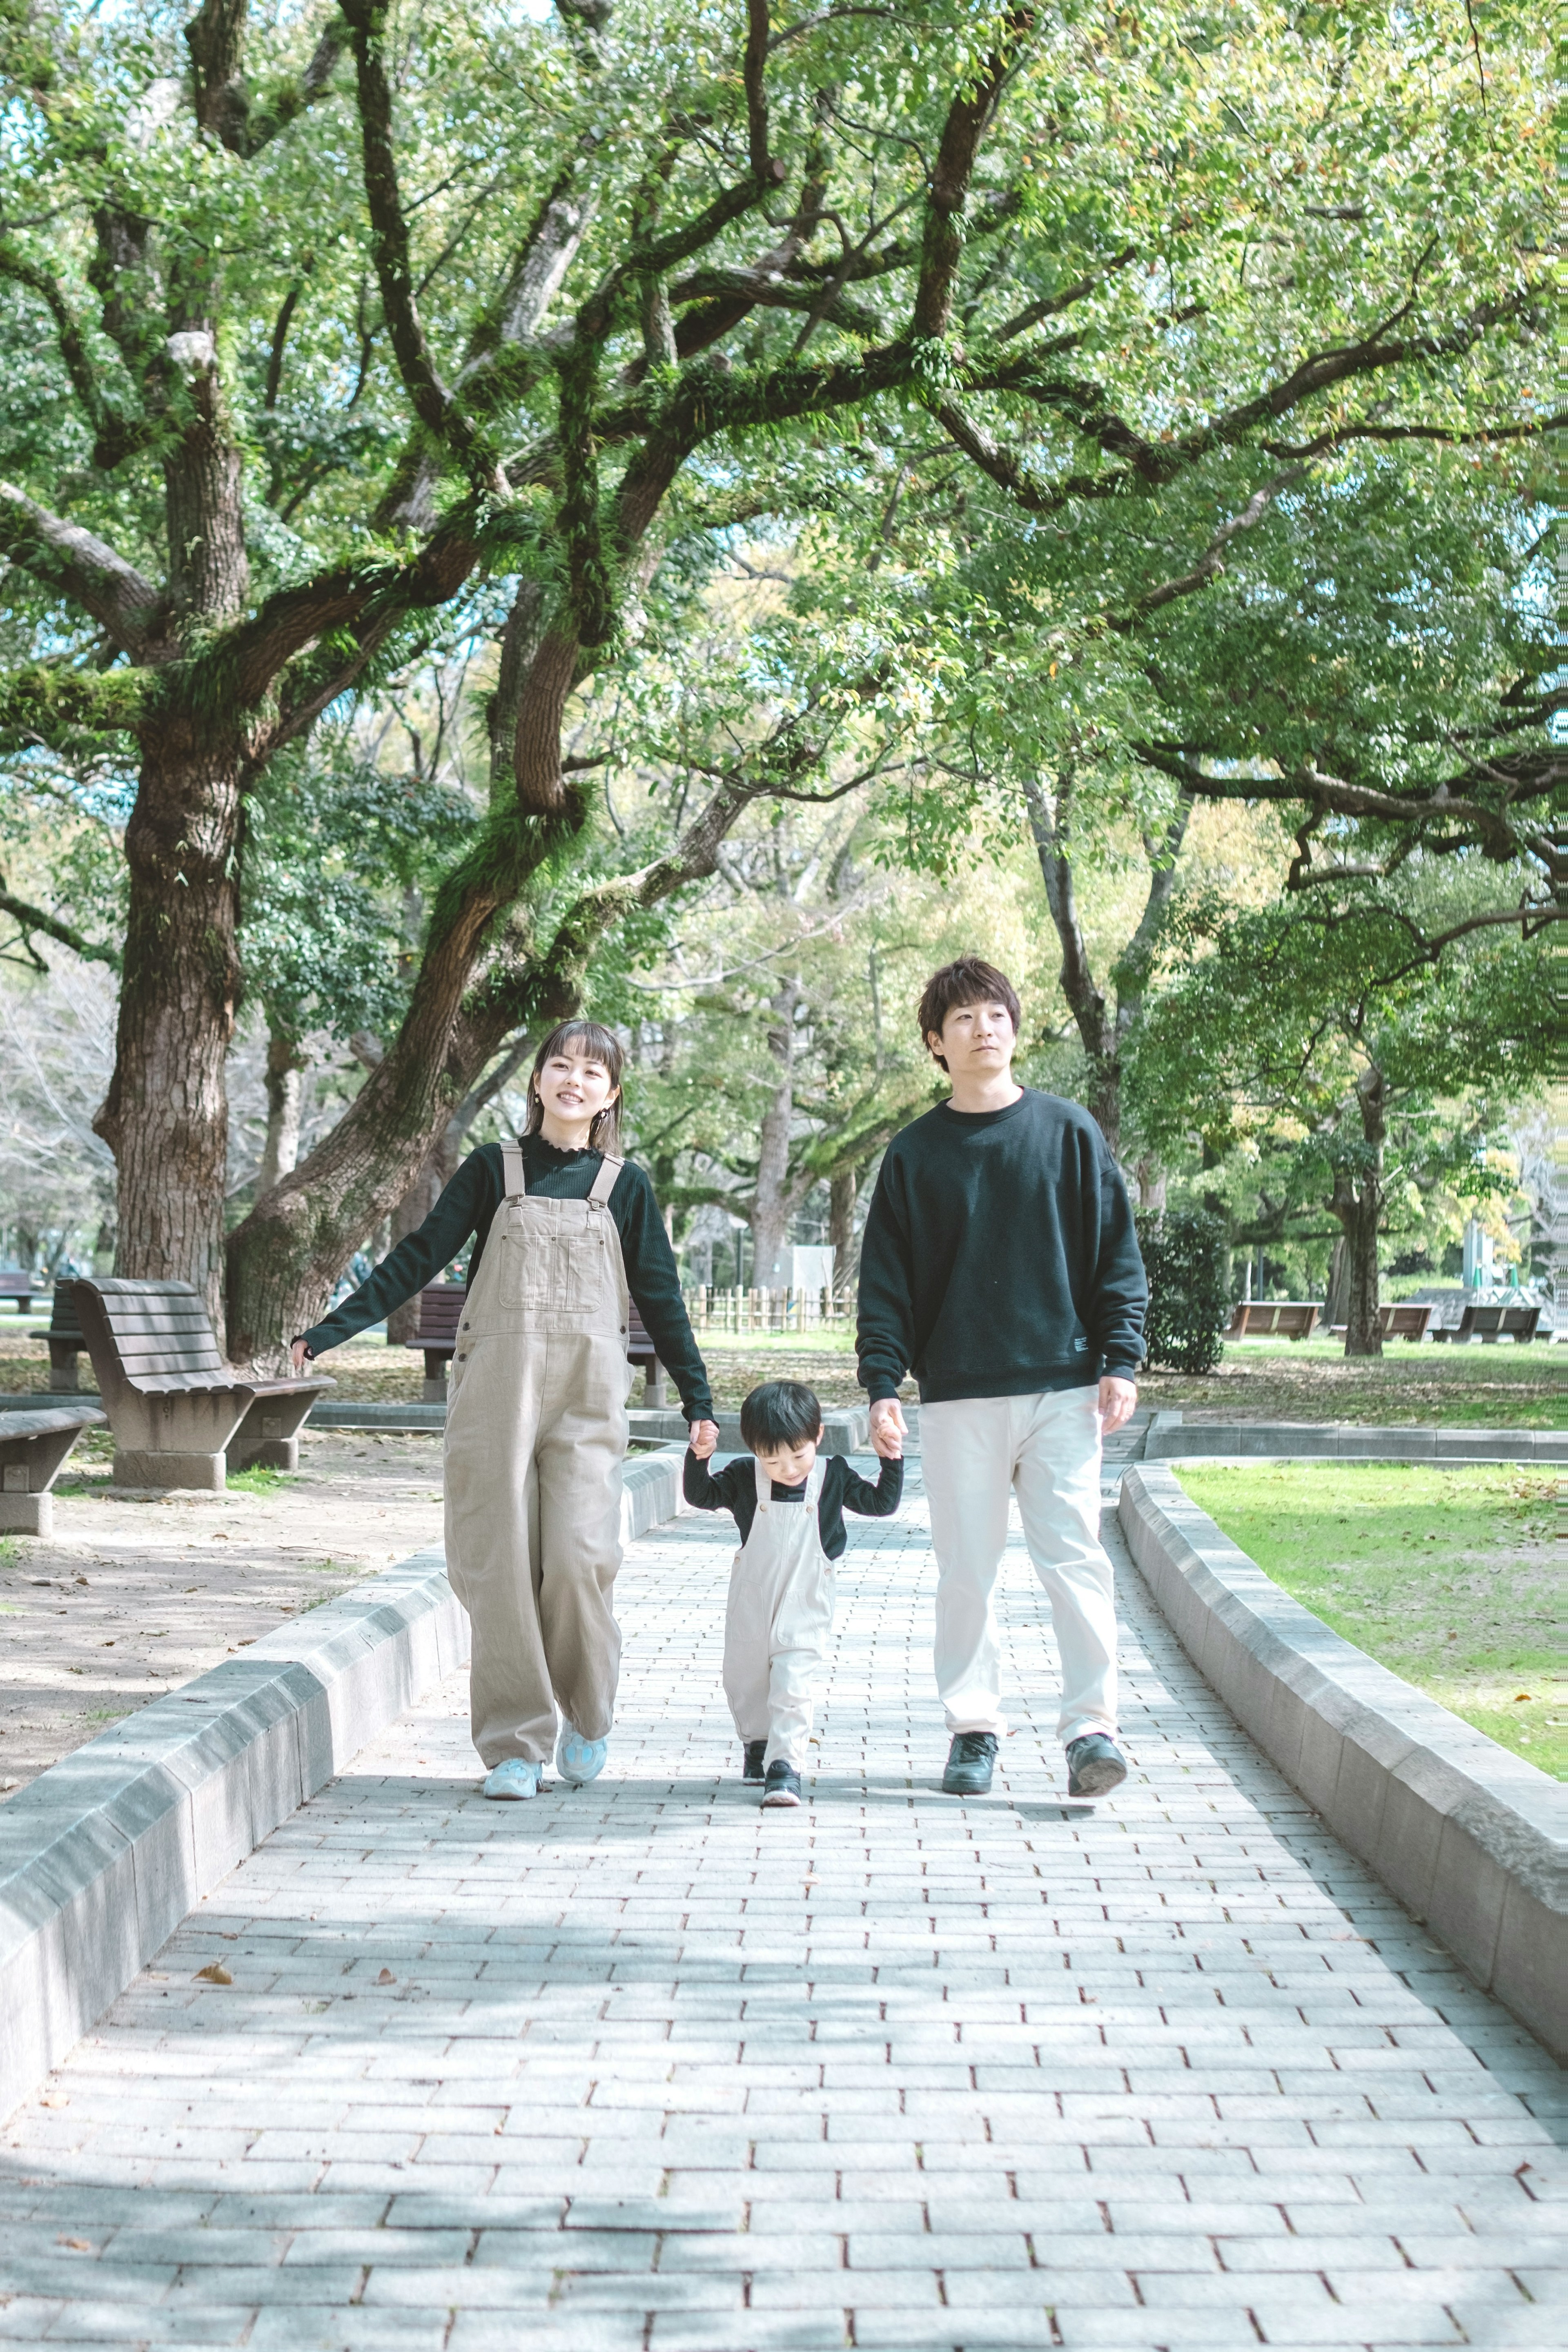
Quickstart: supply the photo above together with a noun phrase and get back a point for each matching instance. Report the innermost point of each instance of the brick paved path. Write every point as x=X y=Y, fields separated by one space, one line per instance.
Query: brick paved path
x=638 y=2066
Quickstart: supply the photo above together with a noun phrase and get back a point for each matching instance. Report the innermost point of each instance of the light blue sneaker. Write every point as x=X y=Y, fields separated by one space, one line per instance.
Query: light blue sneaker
x=578 y=1759
x=513 y=1778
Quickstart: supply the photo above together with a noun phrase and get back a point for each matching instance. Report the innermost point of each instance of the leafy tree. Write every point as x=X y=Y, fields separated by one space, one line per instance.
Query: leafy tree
x=1186 y=1255
x=592 y=283
x=1372 y=1046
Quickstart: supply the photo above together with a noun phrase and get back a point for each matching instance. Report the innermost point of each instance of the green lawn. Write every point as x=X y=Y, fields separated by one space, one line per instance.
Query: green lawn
x=1444 y=1576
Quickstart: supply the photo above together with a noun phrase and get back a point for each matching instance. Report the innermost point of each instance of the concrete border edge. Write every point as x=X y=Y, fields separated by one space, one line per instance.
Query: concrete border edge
x=106 y=1852
x=1472 y=1840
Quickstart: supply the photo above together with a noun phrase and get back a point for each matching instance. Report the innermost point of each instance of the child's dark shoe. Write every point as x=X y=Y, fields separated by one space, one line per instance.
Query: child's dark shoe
x=971 y=1761
x=752 y=1770
x=783 y=1785
x=1095 y=1766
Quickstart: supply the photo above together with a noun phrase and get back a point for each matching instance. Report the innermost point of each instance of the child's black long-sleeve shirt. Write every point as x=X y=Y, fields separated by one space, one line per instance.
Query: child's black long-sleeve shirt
x=735 y=1490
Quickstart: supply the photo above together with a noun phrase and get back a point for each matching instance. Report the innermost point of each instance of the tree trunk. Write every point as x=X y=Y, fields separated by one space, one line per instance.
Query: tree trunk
x=1358 y=1203
x=773 y=1204
x=1337 y=1303
x=407 y=1218
x=166 y=1116
x=842 y=1188
x=1151 y=1186
x=284 y=1110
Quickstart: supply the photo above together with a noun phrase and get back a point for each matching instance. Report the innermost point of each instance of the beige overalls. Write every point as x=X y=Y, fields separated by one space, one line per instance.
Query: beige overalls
x=536 y=1433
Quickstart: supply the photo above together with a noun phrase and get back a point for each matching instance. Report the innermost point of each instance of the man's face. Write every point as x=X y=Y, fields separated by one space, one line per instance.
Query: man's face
x=976 y=1037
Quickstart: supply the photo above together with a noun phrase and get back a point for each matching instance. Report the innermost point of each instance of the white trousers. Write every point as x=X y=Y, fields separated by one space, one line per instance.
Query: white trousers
x=1045 y=1449
x=778 y=1625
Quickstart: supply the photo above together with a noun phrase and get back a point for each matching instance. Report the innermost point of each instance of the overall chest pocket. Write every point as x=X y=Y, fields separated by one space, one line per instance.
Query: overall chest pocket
x=554 y=1265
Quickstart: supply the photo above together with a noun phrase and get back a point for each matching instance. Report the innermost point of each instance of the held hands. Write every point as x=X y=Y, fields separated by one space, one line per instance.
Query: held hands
x=1117 y=1399
x=889 y=1429
x=704 y=1438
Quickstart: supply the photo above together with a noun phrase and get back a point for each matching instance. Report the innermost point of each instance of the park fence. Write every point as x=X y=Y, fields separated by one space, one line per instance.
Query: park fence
x=744 y=1310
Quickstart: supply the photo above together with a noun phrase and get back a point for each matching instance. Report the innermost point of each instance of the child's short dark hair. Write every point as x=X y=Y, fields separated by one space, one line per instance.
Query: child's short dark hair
x=780 y=1413
x=969 y=981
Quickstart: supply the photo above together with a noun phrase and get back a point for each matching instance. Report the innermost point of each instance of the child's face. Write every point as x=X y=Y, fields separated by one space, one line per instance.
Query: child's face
x=790 y=1465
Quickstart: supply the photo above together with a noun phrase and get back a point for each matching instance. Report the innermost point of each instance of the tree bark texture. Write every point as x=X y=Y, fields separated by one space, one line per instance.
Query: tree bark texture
x=284 y=1110
x=407 y=1218
x=842 y=1188
x=166 y=1116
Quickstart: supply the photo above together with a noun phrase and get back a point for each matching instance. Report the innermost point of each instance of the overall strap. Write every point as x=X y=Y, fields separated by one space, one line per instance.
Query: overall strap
x=814 y=1484
x=512 y=1183
x=764 y=1487
x=605 y=1181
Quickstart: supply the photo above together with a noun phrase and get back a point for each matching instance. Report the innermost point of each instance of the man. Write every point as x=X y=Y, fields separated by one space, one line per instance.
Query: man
x=1000 y=1264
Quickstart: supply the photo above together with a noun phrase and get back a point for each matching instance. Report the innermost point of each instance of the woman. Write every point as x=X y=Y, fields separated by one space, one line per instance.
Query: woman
x=536 y=1422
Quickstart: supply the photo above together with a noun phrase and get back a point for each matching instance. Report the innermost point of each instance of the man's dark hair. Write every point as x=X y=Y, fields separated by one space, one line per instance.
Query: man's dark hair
x=780 y=1413
x=969 y=981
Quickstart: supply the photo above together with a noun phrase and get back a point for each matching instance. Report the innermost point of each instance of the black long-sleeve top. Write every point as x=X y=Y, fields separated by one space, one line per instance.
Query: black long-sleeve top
x=735 y=1490
x=1000 y=1257
x=468 y=1204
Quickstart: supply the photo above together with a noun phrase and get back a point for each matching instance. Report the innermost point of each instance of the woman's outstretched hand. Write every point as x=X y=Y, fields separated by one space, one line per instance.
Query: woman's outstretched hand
x=704 y=1438
x=298 y=1354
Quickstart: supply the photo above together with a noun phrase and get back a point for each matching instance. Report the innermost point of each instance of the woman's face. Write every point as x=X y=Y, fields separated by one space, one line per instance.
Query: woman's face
x=573 y=1090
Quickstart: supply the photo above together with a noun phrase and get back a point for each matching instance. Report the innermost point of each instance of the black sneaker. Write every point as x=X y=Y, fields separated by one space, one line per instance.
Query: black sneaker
x=752 y=1770
x=1095 y=1766
x=970 y=1763
x=782 y=1784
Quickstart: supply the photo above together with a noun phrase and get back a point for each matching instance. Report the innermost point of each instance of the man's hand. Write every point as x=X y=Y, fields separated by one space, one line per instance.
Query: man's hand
x=889 y=1429
x=1117 y=1399
x=704 y=1438
x=297 y=1351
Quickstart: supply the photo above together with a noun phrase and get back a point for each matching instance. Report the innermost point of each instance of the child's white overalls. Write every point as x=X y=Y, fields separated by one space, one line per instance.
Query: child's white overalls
x=536 y=1433
x=779 y=1621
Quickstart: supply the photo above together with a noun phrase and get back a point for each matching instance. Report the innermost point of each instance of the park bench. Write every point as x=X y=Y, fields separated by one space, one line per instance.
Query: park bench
x=33 y=1446
x=66 y=1342
x=1489 y=1324
x=22 y=1288
x=181 y=1416
x=1405 y=1322
x=440 y=1310
x=1278 y=1318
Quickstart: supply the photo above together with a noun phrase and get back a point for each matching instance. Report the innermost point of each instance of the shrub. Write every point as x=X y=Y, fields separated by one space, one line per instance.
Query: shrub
x=1186 y=1254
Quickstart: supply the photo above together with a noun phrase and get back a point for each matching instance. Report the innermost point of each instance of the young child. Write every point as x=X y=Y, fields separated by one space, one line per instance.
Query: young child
x=789 y=1509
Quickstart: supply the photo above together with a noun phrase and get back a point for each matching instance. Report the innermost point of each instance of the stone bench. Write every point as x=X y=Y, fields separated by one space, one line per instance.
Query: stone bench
x=33 y=1448
x=22 y=1288
x=1490 y=1324
x=181 y=1416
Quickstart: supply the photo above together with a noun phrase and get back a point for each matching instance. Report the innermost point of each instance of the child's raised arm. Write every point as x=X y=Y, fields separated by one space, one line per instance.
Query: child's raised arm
x=878 y=1502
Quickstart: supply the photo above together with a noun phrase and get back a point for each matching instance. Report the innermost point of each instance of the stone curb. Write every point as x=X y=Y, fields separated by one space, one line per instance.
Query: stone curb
x=1171 y=1439
x=1471 y=1839
x=849 y=1432
x=104 y=1854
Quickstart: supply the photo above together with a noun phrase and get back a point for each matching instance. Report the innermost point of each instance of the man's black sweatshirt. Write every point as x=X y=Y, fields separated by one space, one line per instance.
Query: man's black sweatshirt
x=735 y=1490
x=1000 y=1257
x=469 y=1205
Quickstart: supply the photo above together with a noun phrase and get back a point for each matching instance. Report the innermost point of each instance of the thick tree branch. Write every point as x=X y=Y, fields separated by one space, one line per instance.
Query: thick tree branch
x=942 y=243
x=433 y=403
x=76 y=563
x=113 y=438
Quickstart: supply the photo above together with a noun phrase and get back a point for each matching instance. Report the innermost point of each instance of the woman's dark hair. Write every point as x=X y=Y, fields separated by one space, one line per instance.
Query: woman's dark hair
x=780 y=1413
x=589 y=1041
x=969 y=981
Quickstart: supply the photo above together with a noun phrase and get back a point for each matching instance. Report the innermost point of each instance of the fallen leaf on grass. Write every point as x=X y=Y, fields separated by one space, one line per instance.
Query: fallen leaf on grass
x=1519 y=1694
x=387 y=1977
x=214 y=1973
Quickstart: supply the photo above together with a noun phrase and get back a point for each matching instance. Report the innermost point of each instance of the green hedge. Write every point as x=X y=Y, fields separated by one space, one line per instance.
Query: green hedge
x=1186 y=1253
